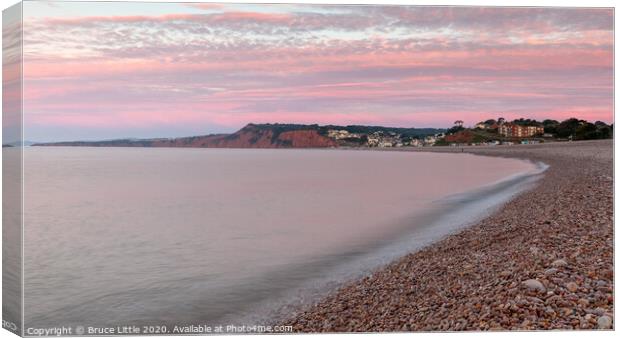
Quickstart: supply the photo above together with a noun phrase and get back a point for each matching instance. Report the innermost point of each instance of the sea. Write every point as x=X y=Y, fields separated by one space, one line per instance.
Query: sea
x=192 y=236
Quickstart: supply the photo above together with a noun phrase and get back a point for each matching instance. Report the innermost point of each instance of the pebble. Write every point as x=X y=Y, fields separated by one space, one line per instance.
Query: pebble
x=603 y=323
x=559 y=263
x=572 y=287
x=506 y=272
x=533 y=284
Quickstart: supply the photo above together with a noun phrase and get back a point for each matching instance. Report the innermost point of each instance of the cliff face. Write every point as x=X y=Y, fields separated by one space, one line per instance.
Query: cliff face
x=250 y=136
x=460 y=137
x=306 y=139
x=255 y=137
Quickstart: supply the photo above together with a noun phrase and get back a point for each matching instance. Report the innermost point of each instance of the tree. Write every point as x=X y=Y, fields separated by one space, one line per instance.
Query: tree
x=550 y=126
x=454 y=130
x=606 y=132
x=603 y=130
x=549 y=122
x=586 y=131
x=526 y=122
x=568 y=128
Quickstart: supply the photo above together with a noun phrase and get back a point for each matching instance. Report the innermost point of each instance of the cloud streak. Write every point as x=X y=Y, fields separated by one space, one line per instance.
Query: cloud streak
x=230 y=65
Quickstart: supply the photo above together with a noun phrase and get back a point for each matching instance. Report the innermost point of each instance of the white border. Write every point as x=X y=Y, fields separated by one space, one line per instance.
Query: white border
x=526 y=3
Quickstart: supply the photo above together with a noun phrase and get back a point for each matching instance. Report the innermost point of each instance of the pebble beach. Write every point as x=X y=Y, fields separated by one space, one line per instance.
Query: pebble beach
x=543 y=261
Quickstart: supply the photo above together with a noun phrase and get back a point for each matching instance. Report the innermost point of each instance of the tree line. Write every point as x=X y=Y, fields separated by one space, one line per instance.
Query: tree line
x=570 y=128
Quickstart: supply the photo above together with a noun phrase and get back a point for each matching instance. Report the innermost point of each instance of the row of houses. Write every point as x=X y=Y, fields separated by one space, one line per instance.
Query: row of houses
x=495 y=143
x=390 y=139
x=382 y=139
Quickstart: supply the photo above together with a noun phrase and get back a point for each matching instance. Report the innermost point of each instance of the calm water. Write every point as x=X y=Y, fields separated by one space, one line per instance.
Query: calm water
x=211 y=236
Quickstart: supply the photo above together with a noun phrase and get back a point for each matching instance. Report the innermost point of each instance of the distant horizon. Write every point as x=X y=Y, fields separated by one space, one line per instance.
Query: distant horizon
x=100 y=70
x=33 y=141
x=230 y=132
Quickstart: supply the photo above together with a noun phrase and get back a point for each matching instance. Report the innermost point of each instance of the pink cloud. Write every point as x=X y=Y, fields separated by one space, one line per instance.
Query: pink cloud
x=231 y=67
x=312 y=61
x=215 y=18
x=251 y=16
x=205 y=5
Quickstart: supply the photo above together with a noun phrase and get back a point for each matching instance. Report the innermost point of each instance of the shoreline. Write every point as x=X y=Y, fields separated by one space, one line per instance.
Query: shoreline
x=544 y=260
x=445 y=216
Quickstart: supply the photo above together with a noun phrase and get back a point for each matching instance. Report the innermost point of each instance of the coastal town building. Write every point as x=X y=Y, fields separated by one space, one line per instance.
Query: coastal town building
x=416 y=143
x=530 y=142
x=376 y=139
x=373 y=140
x=486 y=126
x=515 y=130
x=430 y=140
x=382 y=139
x=341 y=134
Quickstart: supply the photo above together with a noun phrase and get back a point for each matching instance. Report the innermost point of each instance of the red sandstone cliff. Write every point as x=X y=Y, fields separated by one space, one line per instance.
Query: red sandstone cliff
x=460 y=137
x=250 y=136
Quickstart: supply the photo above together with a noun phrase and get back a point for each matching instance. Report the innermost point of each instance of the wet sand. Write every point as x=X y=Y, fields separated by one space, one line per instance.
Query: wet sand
x=543 y=261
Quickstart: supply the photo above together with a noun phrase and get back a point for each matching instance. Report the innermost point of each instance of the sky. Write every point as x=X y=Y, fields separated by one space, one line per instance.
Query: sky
x=109 y=70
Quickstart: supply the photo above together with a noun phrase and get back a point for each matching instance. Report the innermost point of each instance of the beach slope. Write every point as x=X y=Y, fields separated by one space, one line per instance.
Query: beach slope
x=543 y=261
